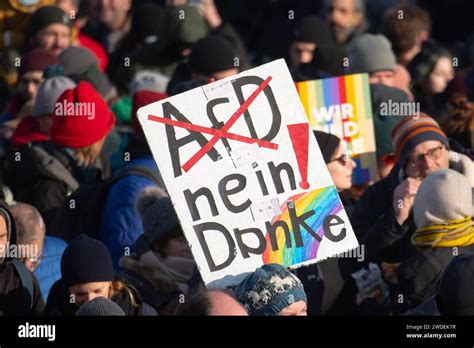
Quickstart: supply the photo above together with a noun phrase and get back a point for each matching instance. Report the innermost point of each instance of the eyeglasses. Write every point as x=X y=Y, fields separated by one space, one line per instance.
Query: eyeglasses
x=343 y=159
x=432 y=154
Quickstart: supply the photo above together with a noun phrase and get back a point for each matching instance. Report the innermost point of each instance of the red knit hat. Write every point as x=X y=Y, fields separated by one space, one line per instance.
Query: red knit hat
x=36 y=60
x=141 y=99
x=28 y=131
x=81 y=117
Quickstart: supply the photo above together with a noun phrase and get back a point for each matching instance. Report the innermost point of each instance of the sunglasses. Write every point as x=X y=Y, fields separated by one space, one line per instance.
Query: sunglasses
x=343 y=159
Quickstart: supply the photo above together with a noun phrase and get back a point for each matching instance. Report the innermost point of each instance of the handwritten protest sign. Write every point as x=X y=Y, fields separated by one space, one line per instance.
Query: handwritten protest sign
x=246 y=176
x=342 y=106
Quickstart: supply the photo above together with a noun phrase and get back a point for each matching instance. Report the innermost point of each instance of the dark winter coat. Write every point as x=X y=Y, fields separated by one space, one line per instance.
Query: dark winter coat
x=41 y=175
x=376 y=228
x=15 y=299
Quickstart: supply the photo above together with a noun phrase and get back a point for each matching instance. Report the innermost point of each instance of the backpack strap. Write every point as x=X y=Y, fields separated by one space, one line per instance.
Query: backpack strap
x=145 y=172
x=26 y=278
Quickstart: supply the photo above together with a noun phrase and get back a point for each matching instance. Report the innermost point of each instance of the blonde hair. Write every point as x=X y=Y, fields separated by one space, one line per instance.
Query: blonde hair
x=88 y=155
x=118 y=286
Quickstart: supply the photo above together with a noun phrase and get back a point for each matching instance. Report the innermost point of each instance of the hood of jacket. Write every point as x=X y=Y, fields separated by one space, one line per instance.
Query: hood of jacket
x=11 y=229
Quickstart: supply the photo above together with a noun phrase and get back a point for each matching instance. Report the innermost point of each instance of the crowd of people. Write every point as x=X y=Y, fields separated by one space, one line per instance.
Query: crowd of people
x=81 y=193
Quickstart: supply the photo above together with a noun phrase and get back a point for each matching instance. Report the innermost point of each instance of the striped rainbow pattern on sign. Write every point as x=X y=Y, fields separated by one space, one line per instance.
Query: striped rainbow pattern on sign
x=342 y=106
x=323 y=202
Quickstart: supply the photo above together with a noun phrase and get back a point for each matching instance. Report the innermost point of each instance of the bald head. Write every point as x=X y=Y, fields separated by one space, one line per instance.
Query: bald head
x=224 y=304
x=211 y=302
x=29 y=223
x=30 y=231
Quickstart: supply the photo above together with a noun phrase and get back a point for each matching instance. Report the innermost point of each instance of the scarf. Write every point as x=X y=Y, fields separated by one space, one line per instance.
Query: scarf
x=456 y=233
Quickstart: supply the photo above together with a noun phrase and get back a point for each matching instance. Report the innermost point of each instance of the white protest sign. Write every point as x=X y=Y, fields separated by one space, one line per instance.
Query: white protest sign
x=246 y=176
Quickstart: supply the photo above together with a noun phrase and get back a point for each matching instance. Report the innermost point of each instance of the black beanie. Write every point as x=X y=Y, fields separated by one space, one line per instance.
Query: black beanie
x=146 y=22
x=210 y=55
x=328 y=144
x=86 y=260
x=312 y=29
x=455 y=294
x=45 y=16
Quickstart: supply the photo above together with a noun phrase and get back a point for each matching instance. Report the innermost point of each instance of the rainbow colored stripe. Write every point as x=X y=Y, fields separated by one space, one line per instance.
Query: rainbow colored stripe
x=350 y=89
x=323 y=202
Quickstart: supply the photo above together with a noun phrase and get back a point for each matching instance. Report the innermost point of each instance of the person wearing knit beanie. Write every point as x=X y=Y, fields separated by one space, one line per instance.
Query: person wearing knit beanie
x=421 y=148
x=213 y=57
x=86 y=262
x=272 y=290
x=183 y=26
x=100 y=307
x=339 y=164
x=442 y=214
x=372 y=54
x=146 y=87
x=81 y=122
x=48 y=93
x=309 y=33
x=443 y=211
x=162 y=231
x=87 y=273
x=162 y=257
x=36 y=60
x=36 y=128
x=146 y=23
x=81 y=65
x=50 y=29
x=30 y=76
x=30 y=72
x=81 y=117
x=413 y=131
x=148 y=80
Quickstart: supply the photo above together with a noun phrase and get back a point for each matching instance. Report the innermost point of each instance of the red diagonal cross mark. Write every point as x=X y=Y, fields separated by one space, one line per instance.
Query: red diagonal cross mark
x=213 y=131
x=220 y=133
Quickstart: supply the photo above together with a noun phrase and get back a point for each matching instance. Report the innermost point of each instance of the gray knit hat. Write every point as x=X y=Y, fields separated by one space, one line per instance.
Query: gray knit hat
x=80 y=64
x=371 y=53
x=443 y=196
x=147 y=80
x=99 y=307
x=160 y=222
x=269 y=290
x=49 y=92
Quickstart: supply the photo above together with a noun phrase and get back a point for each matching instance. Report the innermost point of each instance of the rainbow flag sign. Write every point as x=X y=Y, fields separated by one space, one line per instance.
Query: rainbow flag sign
x=342 y=106
x=246 y=176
